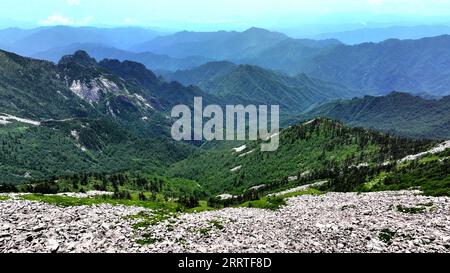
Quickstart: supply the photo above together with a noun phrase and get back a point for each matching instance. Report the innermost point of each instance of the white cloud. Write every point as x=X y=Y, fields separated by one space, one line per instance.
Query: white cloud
x=57 y=20
x=61 y=20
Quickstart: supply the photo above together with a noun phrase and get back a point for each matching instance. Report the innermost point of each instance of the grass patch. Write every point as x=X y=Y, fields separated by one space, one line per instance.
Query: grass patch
x=274 y=203
x=372 y=183
x=411 y=210
x=430 y=174
x=271 y=203
x=348 y=207
x=65 y=201
x=386 y=236
x=147 y=239
x=213 y=224
x=311 y=191
x=429 y=204
x=205 y=231
x=4 y=198
x=428 y=159
x=203 y=206
x=152 y=218
x=217 y=224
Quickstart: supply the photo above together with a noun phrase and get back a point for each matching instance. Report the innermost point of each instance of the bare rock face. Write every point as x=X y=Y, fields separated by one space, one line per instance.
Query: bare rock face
x=335 y=222
x=91 y=91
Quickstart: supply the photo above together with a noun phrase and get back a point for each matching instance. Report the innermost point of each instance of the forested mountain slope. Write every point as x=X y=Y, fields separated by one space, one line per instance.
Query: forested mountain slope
x=403 y=65
x=305 y=149
x=398 y=113
x=79 y=116
x=241 y=84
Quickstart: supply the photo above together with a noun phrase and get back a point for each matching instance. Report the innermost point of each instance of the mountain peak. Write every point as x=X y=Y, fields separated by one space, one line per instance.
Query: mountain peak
x=130 y=70
x=255 y=30
x=398 y=94
x=80 y=57
x=262 y=31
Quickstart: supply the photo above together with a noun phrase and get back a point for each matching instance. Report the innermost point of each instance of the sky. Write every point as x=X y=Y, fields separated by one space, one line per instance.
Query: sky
x=221 y=14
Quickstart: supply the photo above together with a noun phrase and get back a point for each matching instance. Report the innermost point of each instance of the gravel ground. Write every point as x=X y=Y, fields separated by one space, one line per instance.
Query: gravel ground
x=336 y=222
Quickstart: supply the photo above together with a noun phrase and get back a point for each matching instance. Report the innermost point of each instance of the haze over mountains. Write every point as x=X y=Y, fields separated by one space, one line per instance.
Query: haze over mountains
x=255 y=85
x=100 y=52
x=375 y=35
x=416 y=66
x=402 y=65
x=31 y=41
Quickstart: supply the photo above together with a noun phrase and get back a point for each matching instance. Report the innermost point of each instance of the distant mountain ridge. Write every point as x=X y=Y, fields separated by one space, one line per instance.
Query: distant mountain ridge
x=216 y=45
x=254 y=46
x=99 y=51
x=416 y=66
x=377 y=35
x=399 y=113
x=404 y=65
x=28 y=42
x=240 y=84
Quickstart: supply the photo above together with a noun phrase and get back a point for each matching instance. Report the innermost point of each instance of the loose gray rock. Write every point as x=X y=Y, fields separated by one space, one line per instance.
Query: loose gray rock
x=334 y=222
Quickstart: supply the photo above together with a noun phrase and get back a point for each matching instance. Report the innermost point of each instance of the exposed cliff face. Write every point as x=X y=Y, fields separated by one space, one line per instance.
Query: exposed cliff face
x=103 y=89
x=92 y=90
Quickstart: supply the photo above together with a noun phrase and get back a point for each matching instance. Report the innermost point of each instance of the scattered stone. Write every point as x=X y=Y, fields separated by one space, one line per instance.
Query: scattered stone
x=52 y=245
x=314 y=224
x=307 y=224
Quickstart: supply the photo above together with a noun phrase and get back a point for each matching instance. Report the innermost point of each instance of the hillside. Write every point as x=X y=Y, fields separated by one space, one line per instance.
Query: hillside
x=240 y=84
x=404 y=65
x=310 y=149
x=31 y=89
x=290 y=55
x=202 y=74
x=164 y=94
x=254 y=46
x=416 y=66
x=80 y=116
x=216 y=45
x=398 y=113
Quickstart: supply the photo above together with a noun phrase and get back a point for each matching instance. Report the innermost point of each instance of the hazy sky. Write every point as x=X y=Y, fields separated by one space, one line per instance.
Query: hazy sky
x=223 y=14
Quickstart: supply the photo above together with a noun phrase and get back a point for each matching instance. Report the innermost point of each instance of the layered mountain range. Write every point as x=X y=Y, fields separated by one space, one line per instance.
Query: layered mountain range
x=417 y=66
x=84 y=116
x=106 y=109
x=255 y=85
